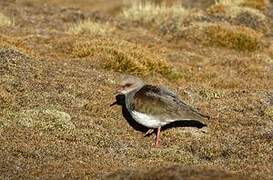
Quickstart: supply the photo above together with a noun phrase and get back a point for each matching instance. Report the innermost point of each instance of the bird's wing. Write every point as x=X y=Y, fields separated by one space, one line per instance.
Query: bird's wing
x=163 y=104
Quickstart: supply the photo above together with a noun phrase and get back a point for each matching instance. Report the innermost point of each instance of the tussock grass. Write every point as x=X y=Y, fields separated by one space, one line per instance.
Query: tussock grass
x=5 y=21
x=233 y=10
x=123 y=56
x=240 y=14
x=257 y=4
x=91 y=27
x=235 y=37
x=150 y=13
x=159 y=15
x=225 y=35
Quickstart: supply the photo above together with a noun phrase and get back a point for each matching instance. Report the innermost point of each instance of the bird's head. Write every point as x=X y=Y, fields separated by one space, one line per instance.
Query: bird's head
x=129 y=84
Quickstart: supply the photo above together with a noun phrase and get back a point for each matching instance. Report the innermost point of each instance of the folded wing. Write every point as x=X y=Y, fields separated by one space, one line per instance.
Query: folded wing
x=163 y=104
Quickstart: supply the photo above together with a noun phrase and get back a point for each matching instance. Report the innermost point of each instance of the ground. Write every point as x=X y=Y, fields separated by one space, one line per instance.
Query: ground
x=60 y=62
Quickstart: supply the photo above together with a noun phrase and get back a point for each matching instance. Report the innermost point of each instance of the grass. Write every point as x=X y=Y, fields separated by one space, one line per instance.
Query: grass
x=55 y=119
x=238 y=14
x=236 y=37
x=159 y=16
x=91 y=27
x=256 y=4
x=124 y=56
x=234 y=10
x=269 y=112
x=225 y=35
x=5 y=21
x=149 y=13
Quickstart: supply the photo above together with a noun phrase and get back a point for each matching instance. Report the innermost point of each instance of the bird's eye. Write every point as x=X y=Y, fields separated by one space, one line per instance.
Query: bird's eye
x=128 y=85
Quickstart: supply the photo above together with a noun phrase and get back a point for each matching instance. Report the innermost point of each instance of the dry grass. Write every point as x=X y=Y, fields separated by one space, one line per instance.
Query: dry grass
x=238 y=14
x=257 y=4
x=269 y=112
x=123 y=56
x=5 y=21
x=159 y=15
x=236 y=37
x=225 y=35
x=148 y=13
x=91 y=27
x=55 y=119
x=233 y=10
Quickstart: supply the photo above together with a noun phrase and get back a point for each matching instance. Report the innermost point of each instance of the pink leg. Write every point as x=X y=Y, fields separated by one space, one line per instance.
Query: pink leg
x=157 y=142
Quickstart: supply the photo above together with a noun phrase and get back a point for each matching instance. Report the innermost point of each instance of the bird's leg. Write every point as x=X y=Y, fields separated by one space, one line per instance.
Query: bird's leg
x=157 y=142
x=149 y=132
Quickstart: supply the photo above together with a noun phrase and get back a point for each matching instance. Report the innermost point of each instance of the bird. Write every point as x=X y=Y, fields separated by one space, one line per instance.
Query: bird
x=153 y=106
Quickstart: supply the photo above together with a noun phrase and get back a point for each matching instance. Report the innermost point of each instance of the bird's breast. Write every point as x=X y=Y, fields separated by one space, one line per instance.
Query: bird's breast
x=147 y=120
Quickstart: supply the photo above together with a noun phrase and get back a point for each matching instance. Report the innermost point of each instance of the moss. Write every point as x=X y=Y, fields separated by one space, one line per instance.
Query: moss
x=45 y=119
x=124 y=56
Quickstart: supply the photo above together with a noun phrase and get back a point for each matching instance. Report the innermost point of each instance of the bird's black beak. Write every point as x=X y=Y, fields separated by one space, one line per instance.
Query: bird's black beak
x=114 y=103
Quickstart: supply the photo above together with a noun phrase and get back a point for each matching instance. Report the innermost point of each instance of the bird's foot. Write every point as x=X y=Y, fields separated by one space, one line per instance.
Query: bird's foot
x=156 y=145
x=150 y=131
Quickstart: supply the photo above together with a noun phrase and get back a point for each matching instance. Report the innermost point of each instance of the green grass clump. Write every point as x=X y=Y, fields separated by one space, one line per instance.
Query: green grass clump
x=91 y=27
x=123 y=56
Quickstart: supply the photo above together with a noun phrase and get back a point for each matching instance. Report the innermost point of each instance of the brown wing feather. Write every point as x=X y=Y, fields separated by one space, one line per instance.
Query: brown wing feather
x=163 y=104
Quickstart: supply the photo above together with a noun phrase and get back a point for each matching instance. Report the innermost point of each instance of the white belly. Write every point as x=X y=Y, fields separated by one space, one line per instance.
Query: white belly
x=146 y=120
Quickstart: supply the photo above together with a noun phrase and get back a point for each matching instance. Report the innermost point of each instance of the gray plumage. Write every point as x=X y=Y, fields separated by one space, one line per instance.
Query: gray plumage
x=156 y=103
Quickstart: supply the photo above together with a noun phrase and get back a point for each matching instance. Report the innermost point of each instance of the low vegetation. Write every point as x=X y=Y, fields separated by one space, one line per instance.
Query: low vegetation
x=238 y=13
x=91 y=27
x=224 y=35
x=5 y=21
x=60 y=62
x=236 y=37
x=162 y=17
x=123 y=56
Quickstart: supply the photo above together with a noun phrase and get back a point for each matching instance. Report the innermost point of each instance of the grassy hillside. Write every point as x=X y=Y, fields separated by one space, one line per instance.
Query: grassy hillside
x=60 y=62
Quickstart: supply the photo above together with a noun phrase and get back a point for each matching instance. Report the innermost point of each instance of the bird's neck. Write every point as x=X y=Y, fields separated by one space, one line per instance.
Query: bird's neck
x=129 y=98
